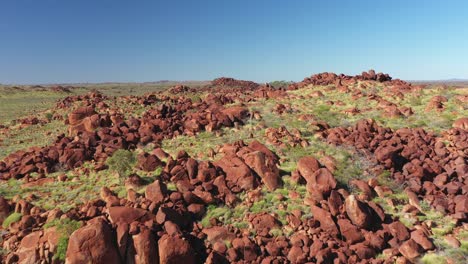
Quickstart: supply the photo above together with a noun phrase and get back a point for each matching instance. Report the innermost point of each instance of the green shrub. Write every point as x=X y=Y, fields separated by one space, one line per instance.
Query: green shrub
x=122 y=162
x=276 y=232
x=221 y=213
x=279 y=84
x=12 y=218
x=171 y=186
x=62 y=246
x=65 y=227
x=49 y=116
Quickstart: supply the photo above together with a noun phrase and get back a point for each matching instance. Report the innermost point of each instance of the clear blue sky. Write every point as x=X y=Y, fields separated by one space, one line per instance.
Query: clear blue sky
x=50 y=41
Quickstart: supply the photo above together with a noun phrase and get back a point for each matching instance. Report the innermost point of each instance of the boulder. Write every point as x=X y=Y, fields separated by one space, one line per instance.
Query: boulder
x=307 y=166
x=410 y=249
x=93 y=243
x=358 y=212
x=422 y=239
x=322 y=180
x=156 y=192
x=269 y=173
x=127 y=215
x=351 y=233
x=148 y=162
x=325 y=218
x=175 y=250
x=145 y=247
x=237 y=172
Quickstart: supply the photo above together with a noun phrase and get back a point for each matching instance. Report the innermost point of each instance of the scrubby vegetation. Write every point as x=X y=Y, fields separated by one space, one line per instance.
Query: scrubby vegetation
x=122 y=162
x=12 y=218
x=65 y=227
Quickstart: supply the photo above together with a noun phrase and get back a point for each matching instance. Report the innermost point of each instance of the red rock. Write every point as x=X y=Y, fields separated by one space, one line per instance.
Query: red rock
x=93 y=243
x=321 y=183
x=237 y=172
x=247 y=249
x=192 y=168
x=363 y=187
x=123 y=240
x=156 y=192
x=461 y=123
x=28 y=248
x=161 y=154
x=268 y=172
x=169 y=214
x=145 y=247
x=4 y=209
x=375 y=239
x=461 y=202
x=216 y=258
x=263 y=222
x=351 y=233
x=329 y=162
x=148 y=162
x=218 y=233
x=421 y=238
x=171 y=228
x=307 y=166
x=296 y=255
x=126 y=215
x=385 y=153
x=335 y=203
x=198 y=210
x=399 y=231
x=175 y=250
x=236 y=113
x=363 y=251
x=325 y=218
x=410 y=249
x=359 y=212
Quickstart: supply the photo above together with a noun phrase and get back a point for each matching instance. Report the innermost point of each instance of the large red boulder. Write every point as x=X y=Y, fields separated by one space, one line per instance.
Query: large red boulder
x=322 y=180
x=146 y=250
x=93 y=243
x=326 y=220
x=156 y=192
x=307 y=166
x=148 y=162
x=238 y=174
x=359 y=212
x=126 y=215
x=269 y=173
x=175 y=250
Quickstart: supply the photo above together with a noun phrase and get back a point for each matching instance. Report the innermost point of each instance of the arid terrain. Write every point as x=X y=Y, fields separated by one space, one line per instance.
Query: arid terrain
x=333 y=169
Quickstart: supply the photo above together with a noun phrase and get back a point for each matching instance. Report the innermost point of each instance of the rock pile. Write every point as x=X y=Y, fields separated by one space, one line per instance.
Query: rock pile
x=343 y=81
x=224 y=82
x=435 y=172
x=283 y=138
x=101 y=137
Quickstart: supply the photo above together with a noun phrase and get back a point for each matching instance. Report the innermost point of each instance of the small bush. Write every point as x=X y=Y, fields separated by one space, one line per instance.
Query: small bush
x=122 y=162
x=49 y=116
x=220 y=213
x=276 y=232
x=12 y=218
x=62 y=246
x=171 y=186
x=65 y=227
